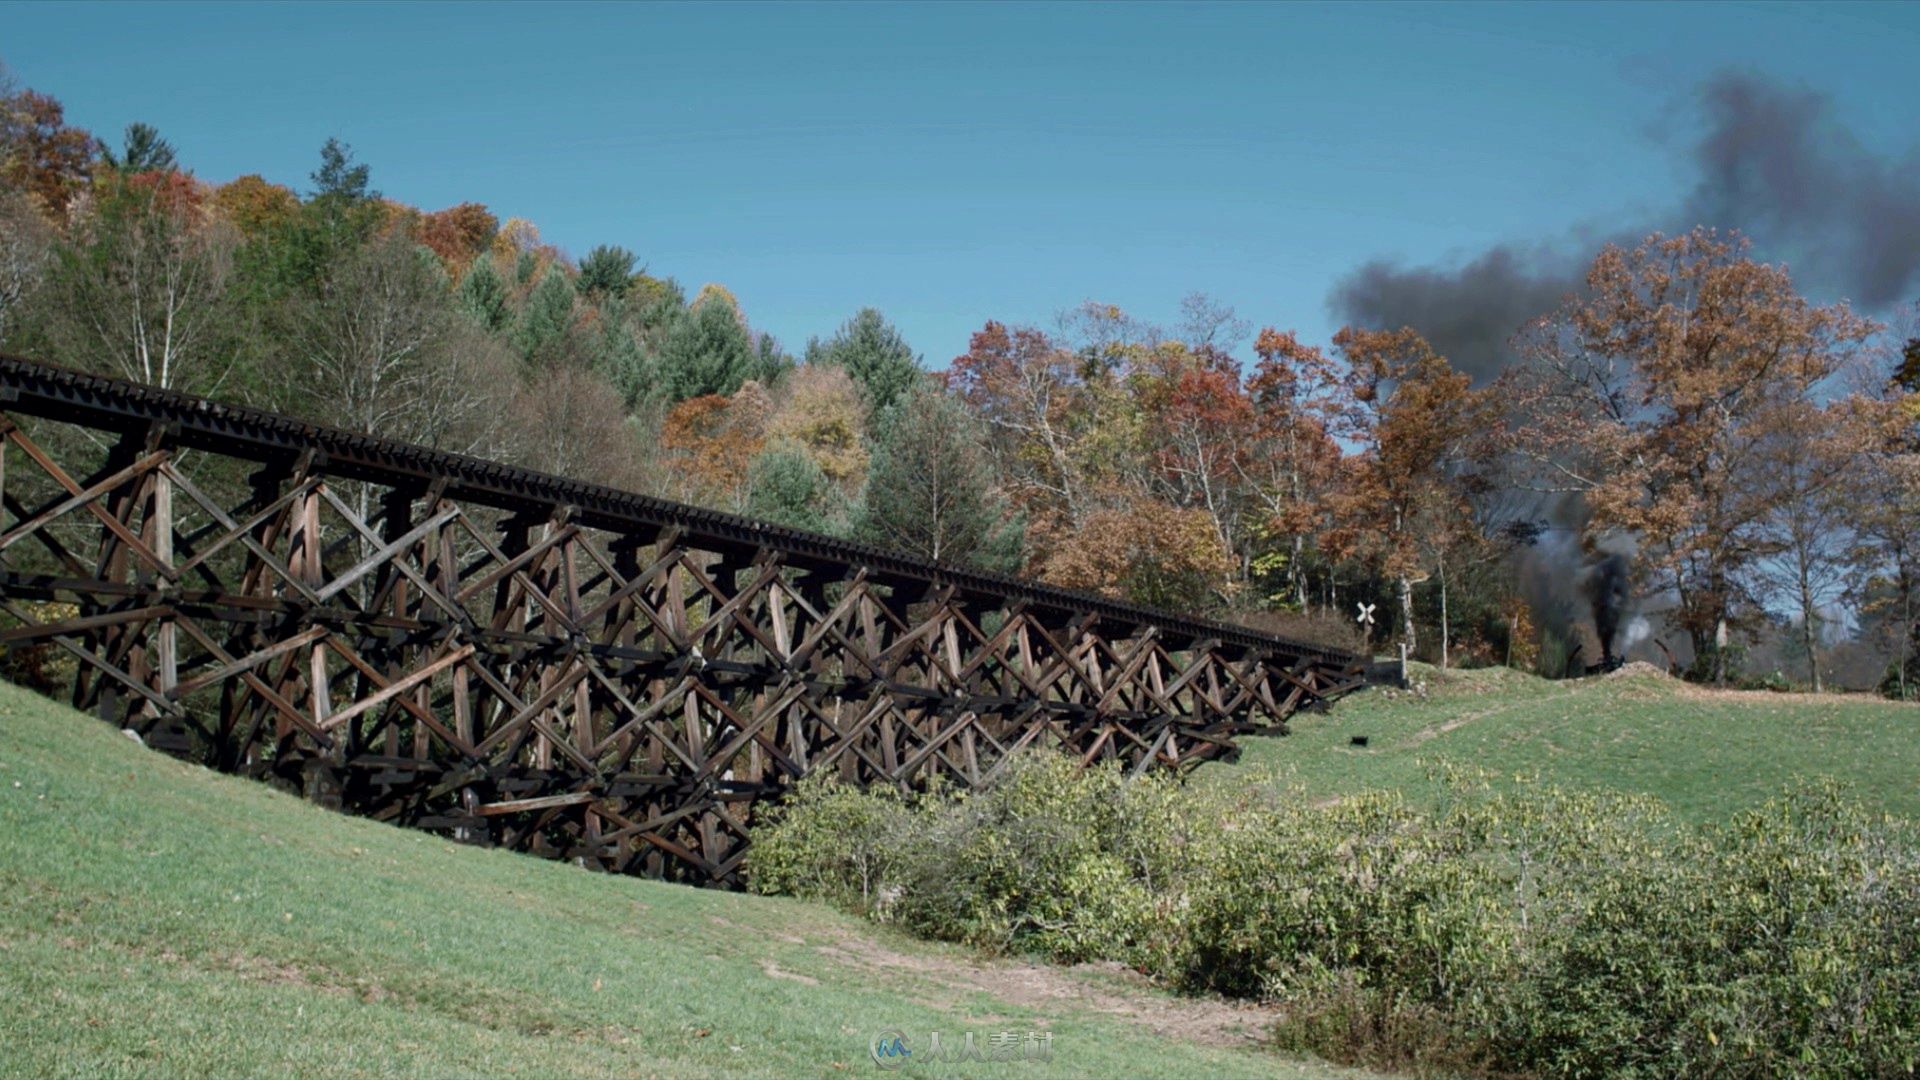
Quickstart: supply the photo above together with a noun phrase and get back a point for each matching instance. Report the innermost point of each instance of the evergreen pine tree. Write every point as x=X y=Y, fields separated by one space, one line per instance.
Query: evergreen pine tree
x=618 y=355
x=706 y=352
x=338 y=177
x=770 y=360
x=930 y=489
x=788 y=488
x=482 y=296
x=874 y=353
x=606 y=271
x=548 y=314
x=143 y=150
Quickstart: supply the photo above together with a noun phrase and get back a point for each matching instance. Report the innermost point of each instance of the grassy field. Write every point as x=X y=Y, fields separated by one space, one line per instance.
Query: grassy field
x=158 y=919
x=1705 y=752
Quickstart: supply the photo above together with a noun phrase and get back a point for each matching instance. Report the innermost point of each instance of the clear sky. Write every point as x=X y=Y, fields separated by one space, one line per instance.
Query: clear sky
x=950 y=164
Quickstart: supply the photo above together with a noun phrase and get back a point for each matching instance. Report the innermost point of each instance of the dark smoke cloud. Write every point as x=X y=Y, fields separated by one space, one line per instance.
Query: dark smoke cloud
x=1778 y=165
x=1772 y=161
x=1469 y=312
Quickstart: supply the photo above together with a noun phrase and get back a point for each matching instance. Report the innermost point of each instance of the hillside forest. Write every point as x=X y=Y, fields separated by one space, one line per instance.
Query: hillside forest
x=1693 y=463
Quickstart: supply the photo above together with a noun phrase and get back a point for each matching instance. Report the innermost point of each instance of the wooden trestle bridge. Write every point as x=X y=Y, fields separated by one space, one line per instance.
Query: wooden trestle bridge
x=519 y=659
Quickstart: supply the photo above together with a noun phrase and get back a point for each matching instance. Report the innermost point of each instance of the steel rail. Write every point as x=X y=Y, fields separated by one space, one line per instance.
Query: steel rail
x=62 y=394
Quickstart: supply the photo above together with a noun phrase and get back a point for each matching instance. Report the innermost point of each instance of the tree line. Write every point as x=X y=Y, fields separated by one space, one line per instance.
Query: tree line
x=1740 y=463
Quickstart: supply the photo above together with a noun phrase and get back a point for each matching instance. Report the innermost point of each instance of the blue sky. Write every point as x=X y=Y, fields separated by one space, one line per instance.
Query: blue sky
x=950 y=164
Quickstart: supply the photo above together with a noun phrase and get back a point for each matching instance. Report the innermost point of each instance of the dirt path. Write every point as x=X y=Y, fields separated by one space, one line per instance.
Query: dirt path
x=1434 y=731
x=1103 y=989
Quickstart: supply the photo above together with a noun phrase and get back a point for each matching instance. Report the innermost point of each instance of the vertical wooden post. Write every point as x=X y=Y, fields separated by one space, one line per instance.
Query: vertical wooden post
x=166 y=675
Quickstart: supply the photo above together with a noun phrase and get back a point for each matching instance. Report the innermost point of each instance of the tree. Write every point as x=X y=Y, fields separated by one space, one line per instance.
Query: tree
x=1029 y=392
x=376 y=349
x=140 y=288
x=606 y=271
x=482 y=296
x=715 y=440
x=40 y=154
x=339 y=176
x=26 y=247
x=620 y=356
x=1198 y=428
x=459 y=234
x=1884 y=496
x=547 y=317
x=930 y=491
x=874 y=353
x=1654 y=396
x=1299 y=403
x=256 y=207
x=820 y=414
x=1415 y=420
x=1807 y=458
x=1146 y=552
x=771 y=363
x=1207 y=325
x=291 y=257
x=143 y=150
x=706 y=352
x=567 y=421
x=787 y=488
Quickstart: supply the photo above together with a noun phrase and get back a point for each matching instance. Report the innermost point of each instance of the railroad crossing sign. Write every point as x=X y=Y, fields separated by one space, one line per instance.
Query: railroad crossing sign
x=1366 y=614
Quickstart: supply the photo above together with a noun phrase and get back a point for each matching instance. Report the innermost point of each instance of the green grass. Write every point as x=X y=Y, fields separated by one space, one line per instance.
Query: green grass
x=159 y=919
x=1706 y=753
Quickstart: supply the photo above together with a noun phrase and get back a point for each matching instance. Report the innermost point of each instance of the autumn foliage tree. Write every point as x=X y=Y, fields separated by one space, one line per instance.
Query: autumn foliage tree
x=821 y=415
x=1416 y=422
x=1028 y=392
x=1299 y=401
x=1655 y=397
x=1199 y=427
x=714 y=439
x=1145 y=552
x=1884 y=496
x=459 y=234
x=254 y=206
x=40 y=153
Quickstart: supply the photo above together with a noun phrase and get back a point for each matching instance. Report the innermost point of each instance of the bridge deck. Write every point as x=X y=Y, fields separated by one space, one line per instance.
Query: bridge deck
x=561 y=667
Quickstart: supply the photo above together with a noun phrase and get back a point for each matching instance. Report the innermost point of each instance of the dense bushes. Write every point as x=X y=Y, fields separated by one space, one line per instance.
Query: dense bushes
x=1528 y=930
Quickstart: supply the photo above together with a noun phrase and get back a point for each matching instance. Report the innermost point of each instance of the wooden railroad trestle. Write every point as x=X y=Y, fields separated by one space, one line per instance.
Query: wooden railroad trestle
x=518 y=659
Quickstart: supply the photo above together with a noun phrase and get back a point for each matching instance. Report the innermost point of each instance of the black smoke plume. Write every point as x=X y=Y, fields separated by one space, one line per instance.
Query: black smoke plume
x=1608 y=594
x=1575 y=577
x=1773 y=162
x=1469 y=312
x=1779 y=165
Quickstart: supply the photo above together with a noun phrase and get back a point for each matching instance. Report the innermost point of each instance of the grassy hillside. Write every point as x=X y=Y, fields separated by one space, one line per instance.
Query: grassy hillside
x=1705 y=752
x=158 y=919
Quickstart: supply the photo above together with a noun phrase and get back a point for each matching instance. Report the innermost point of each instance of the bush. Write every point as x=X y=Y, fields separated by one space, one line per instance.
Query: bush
x=1521 y=930
x=831 y=842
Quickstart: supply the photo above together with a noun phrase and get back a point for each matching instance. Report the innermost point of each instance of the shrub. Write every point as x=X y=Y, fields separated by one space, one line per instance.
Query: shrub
x=1522 y=929
x=831 y=842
